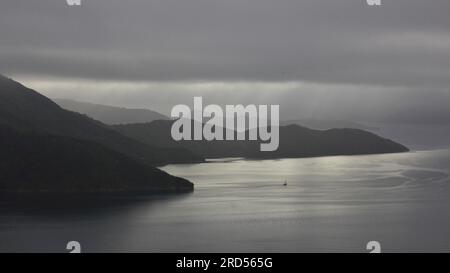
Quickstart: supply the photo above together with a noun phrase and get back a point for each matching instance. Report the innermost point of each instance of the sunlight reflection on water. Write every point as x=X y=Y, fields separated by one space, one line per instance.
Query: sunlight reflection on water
x=330 y=204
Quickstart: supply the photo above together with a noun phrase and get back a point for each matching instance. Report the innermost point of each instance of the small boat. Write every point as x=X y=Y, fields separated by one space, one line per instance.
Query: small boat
x=285 y=183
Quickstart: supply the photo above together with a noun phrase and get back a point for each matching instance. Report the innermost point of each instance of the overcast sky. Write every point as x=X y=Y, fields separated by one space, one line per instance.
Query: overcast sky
x=336 y=59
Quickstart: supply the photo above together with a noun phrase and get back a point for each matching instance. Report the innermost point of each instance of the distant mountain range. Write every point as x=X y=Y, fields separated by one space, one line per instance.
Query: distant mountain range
x=113 y=115
x=65 y=139
x=110 y=114
x=322 y=124
x=295 y=141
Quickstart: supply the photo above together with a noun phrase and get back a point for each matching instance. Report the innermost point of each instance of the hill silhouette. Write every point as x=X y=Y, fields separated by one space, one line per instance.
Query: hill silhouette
x=36 y=163
x=110 y=114
x=46 y=148
x=295 y=141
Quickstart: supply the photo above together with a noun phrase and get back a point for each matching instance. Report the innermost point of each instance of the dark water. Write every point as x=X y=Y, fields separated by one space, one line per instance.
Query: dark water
x=333 y=204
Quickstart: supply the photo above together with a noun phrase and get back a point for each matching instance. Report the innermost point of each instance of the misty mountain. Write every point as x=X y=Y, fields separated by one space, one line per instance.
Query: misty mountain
x=110 y=114
x=320 y=124
x=26 y=110
x=295 y=141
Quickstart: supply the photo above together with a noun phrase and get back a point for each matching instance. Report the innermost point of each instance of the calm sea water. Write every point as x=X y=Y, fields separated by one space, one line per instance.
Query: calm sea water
x=331 y=204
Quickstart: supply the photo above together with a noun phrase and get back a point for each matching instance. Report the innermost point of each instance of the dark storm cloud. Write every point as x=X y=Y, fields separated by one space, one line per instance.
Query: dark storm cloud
x=365 y=54
x=404 y=42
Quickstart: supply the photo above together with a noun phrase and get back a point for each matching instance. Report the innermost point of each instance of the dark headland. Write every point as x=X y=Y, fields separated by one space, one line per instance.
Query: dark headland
x=45 y=148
